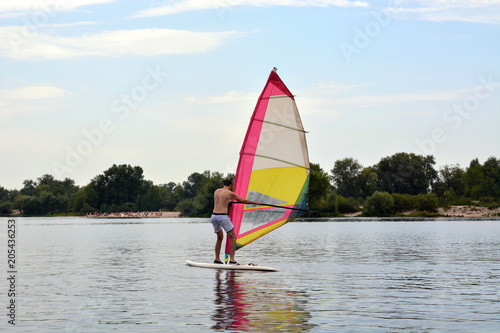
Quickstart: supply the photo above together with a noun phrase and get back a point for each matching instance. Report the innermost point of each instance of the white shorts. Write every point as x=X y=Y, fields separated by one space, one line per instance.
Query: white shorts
x=221 y=222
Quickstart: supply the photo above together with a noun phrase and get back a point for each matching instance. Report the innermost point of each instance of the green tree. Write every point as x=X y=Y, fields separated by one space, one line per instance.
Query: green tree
x=367 y=182
x=91 y=197
x=173 y=194
x=329 y=205
x=403 y=202
x=48 y=202
x=379 y=204
x=5 y=207
x=29 y=187
x=427 y=202
x=194 y=183
x=5 y=203
x=491 y=170
x=125 y=207
x=475 y=181
x=45 y=180
x=4 y=194
x=319 y=187
x=186 y=207
x=345 y=174
x=78 y=202
x=451 y=179
x=85 y=200
x=69 y=186
x=347 y=205
x=13 y=194
x=118 y=184
x=198 y=193
x=406 y=173
x=32 y=207
x=20 y=201
x=151 y=197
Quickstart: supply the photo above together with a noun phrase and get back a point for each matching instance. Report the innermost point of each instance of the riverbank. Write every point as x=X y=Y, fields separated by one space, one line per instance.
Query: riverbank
x=148 y=214
x=453 y=211
x=467 y=211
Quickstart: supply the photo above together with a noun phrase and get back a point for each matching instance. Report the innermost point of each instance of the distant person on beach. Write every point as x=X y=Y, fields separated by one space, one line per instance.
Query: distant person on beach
x=220 y=219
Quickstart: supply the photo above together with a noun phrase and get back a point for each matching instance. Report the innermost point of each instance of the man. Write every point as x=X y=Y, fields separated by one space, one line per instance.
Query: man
x=220 y=219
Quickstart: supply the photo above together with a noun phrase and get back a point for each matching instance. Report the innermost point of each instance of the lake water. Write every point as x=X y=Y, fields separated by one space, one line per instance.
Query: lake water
x=342 y=275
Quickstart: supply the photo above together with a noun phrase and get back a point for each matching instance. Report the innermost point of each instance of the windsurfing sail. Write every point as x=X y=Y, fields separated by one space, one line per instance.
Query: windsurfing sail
x=273 y=167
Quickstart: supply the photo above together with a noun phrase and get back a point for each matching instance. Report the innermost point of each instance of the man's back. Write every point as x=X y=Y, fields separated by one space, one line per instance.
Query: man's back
x=222 y=197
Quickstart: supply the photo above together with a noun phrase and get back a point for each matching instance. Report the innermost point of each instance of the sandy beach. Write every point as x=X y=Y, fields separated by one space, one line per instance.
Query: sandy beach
x=134 y=214
x=454 y=211
x=467 y=211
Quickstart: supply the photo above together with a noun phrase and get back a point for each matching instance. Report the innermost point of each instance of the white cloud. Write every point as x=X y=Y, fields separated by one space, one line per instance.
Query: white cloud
x=31 y=92
x=483 y=11
x=27 y=99
x=20 y=7
x=224 y=5
x=332 y=100
x=21 y=43
x=71 y=24
x=323 y=88
x=233 y=96
x=364 y=101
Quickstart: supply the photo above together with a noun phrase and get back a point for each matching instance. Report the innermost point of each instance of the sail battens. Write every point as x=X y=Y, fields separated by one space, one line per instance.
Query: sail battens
x=281 y=125
x=273 y=165
x=278 y=160
x=283 y=161
x=275 y=96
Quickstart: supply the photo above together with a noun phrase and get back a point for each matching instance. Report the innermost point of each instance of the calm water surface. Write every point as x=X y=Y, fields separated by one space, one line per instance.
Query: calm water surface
x=342 y=275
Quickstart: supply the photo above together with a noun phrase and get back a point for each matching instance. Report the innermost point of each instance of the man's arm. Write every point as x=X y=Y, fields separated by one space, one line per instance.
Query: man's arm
x=239 y=199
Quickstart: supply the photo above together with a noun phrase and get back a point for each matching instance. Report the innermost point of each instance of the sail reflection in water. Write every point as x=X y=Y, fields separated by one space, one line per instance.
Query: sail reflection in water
x=242 y=304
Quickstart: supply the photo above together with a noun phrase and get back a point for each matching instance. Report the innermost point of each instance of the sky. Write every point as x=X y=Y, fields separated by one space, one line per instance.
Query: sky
x=170 y=86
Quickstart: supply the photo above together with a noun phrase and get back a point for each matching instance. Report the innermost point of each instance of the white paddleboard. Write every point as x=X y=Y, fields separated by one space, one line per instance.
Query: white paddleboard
x=233 y=267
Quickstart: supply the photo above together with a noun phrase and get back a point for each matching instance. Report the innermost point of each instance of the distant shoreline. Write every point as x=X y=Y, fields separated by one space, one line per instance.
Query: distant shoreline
x=453 y=211
x=148 y=214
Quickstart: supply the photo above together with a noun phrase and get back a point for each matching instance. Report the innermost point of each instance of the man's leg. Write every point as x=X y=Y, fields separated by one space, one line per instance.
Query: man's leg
x=232 y=244
x=218 y=243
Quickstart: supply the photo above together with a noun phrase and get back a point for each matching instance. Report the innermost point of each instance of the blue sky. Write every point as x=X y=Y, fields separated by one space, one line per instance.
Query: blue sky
x=170 y=85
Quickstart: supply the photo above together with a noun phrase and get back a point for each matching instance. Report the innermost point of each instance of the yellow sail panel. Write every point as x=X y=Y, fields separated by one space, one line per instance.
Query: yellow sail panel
x=284 y=184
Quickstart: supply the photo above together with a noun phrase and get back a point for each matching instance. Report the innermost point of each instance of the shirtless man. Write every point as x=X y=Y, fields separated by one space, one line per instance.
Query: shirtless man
x=220 y=219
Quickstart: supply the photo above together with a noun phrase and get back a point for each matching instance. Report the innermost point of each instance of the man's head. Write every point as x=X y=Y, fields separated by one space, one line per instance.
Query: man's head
x=228 y=182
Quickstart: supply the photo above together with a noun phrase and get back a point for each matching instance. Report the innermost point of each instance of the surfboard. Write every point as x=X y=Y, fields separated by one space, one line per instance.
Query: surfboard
x=249 y=267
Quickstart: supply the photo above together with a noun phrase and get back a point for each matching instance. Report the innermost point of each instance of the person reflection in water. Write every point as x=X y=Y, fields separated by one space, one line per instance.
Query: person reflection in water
x=230 y=313
x=245 y=303
x=221 y=220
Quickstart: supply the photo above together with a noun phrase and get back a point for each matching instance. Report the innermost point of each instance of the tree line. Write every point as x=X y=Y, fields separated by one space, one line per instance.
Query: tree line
x=395 y=184
x=404 y=182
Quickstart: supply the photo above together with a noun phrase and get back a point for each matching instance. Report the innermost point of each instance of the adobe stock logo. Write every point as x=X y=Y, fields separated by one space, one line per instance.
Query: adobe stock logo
x=44 y=12
x=363 y=37
x=222 y=6
x=121 y=106
x=454 y=116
